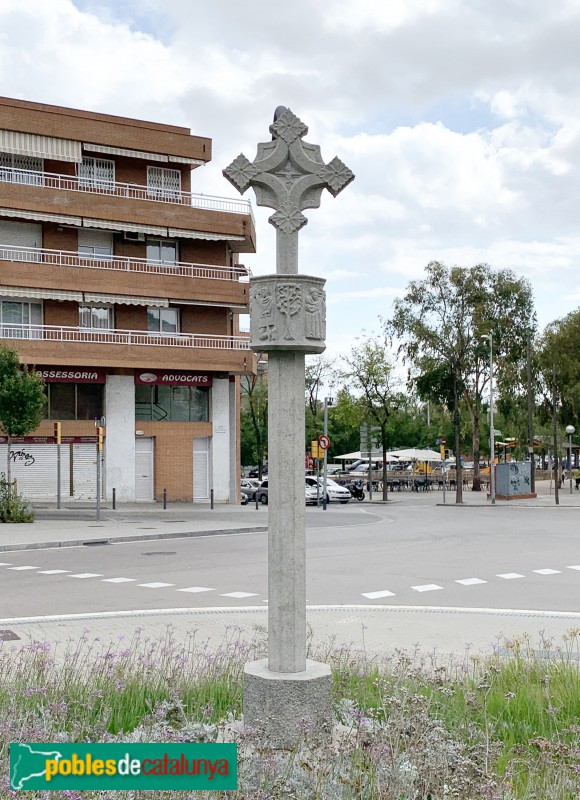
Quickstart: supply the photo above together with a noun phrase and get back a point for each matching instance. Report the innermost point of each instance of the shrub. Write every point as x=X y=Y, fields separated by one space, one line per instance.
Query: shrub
x=13 y=507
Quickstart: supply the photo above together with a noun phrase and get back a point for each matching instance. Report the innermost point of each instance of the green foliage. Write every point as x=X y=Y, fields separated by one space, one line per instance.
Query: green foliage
x=558 y=357
x=13 y=507
x=22 y=398
x=254 y=420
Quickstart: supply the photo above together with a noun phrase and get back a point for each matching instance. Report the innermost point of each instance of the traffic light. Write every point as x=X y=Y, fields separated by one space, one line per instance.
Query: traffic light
x=100 y=436
x=446 y=453
x=57 y=432
x=314 y=450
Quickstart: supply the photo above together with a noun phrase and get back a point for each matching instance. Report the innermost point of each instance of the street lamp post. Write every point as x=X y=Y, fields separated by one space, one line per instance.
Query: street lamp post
x=489 y=338
x=570 y=429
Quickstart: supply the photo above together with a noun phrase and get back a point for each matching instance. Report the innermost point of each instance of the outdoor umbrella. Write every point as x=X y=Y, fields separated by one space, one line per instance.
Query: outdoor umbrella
x=415 y=454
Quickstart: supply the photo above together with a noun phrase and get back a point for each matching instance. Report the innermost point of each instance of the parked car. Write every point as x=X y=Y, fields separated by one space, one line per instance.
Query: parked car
x=244 y=497
x=334 y=491
x=310 y=494
x=254 y=473
x=250 y=485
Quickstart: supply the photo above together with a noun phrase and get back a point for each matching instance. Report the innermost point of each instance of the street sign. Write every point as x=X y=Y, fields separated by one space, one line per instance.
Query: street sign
x=443 y=441
x=324 y=442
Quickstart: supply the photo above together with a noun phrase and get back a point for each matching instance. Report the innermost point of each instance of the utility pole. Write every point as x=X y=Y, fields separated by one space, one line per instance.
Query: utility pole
x=531 y=405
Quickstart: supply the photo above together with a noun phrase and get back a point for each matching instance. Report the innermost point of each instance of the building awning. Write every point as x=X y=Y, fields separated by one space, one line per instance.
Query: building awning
x=40 y=294
x=210 y=237
x=126 y=300
x=123 y=151
x=58 y=219
x=124 y=226
x=30 y=144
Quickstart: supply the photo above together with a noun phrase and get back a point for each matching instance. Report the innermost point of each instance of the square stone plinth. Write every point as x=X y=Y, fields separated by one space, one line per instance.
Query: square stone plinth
x=283 y=704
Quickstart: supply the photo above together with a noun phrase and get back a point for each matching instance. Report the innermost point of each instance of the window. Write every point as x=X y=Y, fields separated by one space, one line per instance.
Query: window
x=16 y=317
x=99 y=317
x=171 y=403
x=21 y=169
x=95 y=244
x=96 y=173
x=74 y=400
x=164 y=183
x=163 y=320
x=162 y=251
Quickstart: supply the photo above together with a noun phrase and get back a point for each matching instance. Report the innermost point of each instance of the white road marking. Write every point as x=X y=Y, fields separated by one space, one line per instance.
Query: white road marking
x=547 y=571
x=157 y=585
x=470 y=581
x=118 y=580
x=376 y=595
x=5 y=563
x=53 y=571
x=509 y=576
x=427 y=587
x=86 y=575
x=239 y=594
x=22 y=568
x=576 y=566
x=194 y=589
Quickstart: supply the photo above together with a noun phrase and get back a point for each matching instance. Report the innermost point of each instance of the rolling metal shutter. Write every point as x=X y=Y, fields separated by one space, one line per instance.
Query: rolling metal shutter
x=84 y=468
x=20 y=234
x=34 y=468
x=201 y=468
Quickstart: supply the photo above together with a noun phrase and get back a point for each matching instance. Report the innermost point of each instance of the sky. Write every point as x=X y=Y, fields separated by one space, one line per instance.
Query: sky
x=459 y=118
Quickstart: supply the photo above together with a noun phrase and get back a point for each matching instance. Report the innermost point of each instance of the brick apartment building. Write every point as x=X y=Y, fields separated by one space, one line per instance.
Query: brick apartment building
x=124 y=289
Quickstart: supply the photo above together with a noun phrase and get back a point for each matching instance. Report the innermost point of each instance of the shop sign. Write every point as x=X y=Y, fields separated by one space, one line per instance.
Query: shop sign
x=72 y=374
x=168 y=377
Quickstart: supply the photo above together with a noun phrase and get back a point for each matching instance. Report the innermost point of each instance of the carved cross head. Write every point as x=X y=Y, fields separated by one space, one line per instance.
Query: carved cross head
x=288 y=174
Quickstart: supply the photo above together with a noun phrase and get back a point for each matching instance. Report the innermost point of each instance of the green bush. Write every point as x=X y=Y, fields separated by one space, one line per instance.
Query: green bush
x=13 y=507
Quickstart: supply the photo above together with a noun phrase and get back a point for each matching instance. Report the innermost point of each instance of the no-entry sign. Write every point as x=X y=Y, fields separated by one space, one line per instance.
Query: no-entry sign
x=324 y=442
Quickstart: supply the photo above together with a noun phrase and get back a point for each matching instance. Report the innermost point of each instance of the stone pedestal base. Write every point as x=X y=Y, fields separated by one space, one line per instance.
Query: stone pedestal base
x=283 y=704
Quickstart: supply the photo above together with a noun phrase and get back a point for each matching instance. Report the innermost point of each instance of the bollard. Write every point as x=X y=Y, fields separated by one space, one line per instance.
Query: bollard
x=211 y=499
x=114 y=499
x=164 y=499
x=256 y=499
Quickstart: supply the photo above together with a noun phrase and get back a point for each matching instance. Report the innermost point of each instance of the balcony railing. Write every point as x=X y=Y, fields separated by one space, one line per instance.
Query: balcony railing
x=70 y=258
x=133 y=191
x=59 y=333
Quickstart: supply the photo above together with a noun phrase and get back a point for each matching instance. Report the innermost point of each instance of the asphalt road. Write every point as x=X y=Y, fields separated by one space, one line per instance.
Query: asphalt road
x=400 y=554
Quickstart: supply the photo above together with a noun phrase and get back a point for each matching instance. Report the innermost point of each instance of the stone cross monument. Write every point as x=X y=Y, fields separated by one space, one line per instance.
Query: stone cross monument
x=287 y=320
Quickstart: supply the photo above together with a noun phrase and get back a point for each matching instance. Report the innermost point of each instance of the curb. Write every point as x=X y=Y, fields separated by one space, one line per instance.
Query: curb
x=146 y=537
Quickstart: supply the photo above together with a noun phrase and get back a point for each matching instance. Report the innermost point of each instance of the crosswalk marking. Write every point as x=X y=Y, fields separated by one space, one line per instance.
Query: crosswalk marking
x=509 y=576
x=195 y=589
x=427 y=587
x=22 y=568
x=470 y=581
x=376 y=595
x=86 y=575
x=53 y=571
x=155 y=585
x=575 y=566
x=239 y=595
x=547 y=571
x=118 y=580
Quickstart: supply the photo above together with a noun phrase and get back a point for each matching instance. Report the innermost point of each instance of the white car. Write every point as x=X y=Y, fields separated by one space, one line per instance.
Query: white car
x=334 y=491
x=250 y=485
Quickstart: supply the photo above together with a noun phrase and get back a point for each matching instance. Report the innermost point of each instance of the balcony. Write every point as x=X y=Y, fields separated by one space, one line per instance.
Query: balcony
x=55 y=344
x=113 y=201
x=33 y=267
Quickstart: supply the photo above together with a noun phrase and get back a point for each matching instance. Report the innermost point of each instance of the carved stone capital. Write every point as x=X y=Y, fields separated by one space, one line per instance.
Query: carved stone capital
x=288 y=312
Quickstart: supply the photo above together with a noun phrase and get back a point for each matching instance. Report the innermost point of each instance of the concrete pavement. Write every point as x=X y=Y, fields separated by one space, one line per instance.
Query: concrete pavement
x=374 y=628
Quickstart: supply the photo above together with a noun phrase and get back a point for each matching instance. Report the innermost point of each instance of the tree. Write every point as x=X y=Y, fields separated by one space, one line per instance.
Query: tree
x=319 y=373
x=440 y=322
x=22 y=399
x=370 y=374
x=558 y=354
x=254 y=418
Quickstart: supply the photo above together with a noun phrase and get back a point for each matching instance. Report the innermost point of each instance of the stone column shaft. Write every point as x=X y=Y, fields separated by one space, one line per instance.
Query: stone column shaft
x=286 y=252
x=286 y=534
